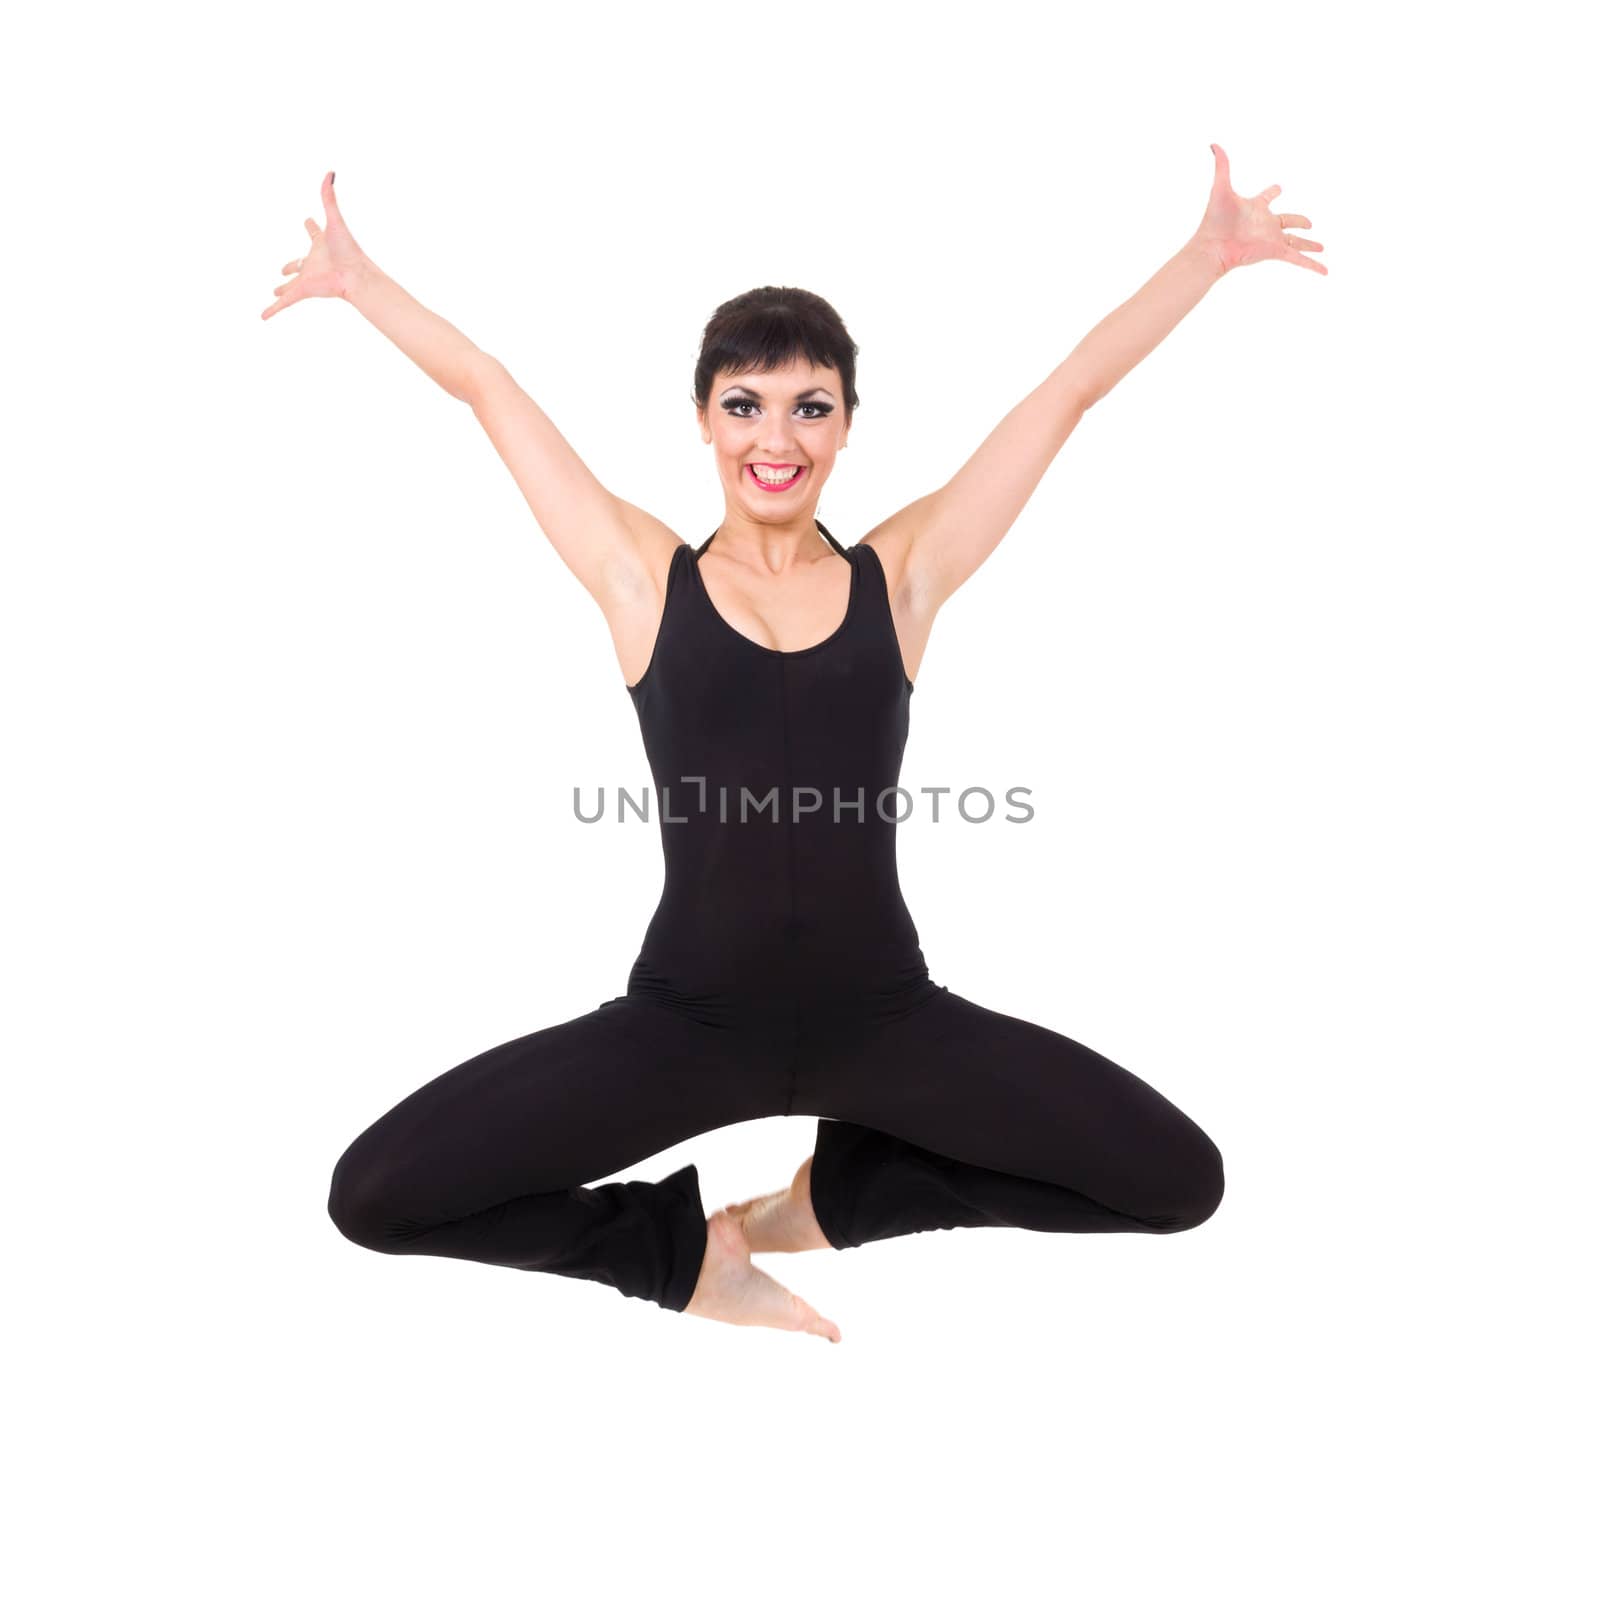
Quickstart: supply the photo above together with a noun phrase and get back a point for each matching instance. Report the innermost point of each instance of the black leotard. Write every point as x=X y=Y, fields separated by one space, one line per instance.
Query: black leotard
x=781 y=973
x=781 y=899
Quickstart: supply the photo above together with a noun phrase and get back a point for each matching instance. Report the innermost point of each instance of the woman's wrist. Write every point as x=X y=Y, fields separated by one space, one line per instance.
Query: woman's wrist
x=1205 y=252
x=358 y=279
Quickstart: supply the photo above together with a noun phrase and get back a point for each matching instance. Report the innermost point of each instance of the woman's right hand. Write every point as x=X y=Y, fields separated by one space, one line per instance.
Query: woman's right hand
x=329 y=268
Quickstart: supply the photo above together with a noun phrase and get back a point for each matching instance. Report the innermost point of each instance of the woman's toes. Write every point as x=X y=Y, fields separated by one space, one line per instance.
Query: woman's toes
x=820 y=1325
x=788 y=1310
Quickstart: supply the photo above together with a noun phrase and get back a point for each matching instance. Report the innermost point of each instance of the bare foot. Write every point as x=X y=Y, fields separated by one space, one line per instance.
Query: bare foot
x=731 y=1289
x=783 y=1220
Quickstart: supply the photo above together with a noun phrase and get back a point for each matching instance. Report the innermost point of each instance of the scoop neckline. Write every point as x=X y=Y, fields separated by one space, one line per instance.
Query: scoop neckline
x=755 y=644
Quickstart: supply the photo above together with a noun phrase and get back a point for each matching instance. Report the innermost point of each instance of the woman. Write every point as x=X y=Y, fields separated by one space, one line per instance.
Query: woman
x=771 y=669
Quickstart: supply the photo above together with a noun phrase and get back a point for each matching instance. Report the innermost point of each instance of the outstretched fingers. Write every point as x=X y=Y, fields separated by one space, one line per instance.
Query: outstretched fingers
x=330 y=202
x=314 y=261
x=1293 y=254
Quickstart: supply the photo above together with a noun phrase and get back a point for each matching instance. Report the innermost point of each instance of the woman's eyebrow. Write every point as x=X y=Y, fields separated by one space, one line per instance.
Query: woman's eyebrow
x=757 y=393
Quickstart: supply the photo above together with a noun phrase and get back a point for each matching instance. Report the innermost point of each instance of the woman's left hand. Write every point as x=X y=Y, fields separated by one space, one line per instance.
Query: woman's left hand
x=1238 y=231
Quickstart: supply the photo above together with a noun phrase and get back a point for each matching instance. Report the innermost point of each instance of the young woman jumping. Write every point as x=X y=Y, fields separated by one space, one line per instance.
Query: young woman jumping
x=771 y=668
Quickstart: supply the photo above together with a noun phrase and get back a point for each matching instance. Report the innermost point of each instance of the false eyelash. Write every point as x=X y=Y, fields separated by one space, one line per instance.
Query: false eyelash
x=820 y=406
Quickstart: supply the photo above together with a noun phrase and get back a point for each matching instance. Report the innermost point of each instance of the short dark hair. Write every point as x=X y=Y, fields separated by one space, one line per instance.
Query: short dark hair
x=769 y=327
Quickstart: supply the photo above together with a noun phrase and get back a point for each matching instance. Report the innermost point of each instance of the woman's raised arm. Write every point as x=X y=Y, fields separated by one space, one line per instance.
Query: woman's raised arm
x=932 y=546
x=616 y=551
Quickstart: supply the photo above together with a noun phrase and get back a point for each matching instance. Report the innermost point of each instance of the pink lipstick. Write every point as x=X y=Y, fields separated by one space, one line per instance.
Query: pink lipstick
x=774 y=488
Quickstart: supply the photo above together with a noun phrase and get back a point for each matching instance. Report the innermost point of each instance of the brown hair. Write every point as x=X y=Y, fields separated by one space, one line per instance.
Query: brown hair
x=769 y=327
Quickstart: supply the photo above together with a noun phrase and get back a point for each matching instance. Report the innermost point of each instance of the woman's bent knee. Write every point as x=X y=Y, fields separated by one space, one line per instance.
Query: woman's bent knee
x=360 y=1203
x=1196 y=1190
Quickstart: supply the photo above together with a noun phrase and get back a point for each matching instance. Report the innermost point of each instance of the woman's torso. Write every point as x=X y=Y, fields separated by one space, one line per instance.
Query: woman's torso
x=776 y=898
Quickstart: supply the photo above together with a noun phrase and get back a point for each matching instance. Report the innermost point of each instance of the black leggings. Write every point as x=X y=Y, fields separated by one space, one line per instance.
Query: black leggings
x=949 y=1115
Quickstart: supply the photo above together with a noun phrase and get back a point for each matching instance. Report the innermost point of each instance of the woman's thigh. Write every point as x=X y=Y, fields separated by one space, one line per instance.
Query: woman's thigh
x=558 y=1108
x=1014 y=1096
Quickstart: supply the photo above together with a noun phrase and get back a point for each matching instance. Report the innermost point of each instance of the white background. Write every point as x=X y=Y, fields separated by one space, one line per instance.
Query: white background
x=1293 y=644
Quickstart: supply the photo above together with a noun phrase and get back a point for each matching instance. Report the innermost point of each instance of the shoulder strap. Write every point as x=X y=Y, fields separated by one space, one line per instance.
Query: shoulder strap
x=674 y=577
x=879 y=579
x=831 y=540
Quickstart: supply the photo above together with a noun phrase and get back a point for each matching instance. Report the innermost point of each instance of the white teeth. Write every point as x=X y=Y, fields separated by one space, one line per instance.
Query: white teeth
x=768 y=475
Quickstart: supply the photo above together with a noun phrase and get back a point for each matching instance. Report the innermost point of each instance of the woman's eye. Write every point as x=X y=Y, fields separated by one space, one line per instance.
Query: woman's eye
x=736 y=408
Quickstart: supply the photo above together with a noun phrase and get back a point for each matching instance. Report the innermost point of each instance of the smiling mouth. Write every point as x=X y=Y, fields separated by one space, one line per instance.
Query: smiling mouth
x=773 y=478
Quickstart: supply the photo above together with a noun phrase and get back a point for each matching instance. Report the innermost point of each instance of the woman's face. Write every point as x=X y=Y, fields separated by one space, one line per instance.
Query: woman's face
x=790 y=417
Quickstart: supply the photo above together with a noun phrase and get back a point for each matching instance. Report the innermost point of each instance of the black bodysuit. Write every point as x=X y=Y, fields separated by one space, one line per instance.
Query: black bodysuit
x=780 y=974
